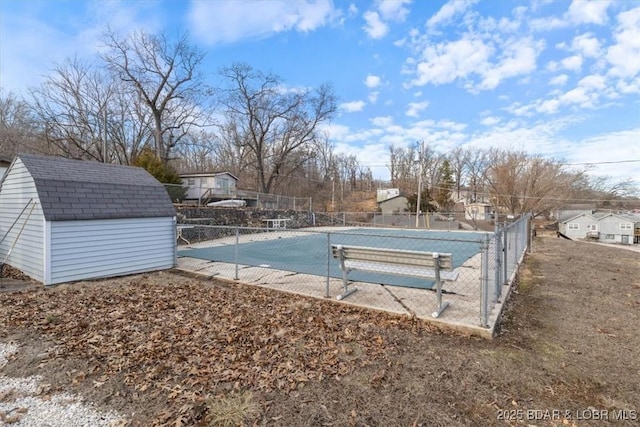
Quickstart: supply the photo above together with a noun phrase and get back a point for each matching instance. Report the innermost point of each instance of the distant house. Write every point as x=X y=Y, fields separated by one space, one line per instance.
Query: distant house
x=615 y=228
x=394 y=205
x=208 y=187
x=608 y=228
x=387 y=193
x=478 y=211
x=65 y=220
x=5 y=162
x=579 y=226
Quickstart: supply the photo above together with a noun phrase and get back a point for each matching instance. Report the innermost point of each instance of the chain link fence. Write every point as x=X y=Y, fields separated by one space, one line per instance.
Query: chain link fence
x=237 y=198
x=432 y=221
x=304 y=261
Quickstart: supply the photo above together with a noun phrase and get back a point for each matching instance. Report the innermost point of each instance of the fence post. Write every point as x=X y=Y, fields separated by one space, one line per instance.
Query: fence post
x=326 y=293
x=237 y=244
x=498 y=264
x=484 y=284
x=531 y=233
x=505 y=257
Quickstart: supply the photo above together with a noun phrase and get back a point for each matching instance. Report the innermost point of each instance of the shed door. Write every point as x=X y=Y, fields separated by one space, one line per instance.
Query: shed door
x=625 y=239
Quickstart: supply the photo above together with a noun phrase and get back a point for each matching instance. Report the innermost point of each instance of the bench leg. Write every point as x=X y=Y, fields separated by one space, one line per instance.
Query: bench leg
x=441 y=305
x=345 y=279
x=345 y=283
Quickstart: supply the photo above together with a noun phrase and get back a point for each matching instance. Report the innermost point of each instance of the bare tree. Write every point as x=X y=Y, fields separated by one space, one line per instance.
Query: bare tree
x=165 y=76
x=19 y=130
x=529 y=183
x=278 y=126
x=403 y=167
x=71 y=106
x=477 y=163
x=85 y=114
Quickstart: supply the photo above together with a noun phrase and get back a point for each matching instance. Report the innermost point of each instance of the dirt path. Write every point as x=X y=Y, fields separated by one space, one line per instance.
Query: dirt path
x=169 y=349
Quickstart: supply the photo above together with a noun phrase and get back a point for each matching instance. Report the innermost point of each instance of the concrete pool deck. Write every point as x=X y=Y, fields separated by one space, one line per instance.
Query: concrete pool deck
x=462 y=314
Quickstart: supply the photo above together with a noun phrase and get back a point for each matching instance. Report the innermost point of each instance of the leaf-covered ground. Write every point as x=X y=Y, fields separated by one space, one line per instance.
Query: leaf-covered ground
x=171 y=349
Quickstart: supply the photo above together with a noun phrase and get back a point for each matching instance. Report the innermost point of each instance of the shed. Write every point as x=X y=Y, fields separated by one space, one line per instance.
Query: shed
x=394 y=205
x=63 y=220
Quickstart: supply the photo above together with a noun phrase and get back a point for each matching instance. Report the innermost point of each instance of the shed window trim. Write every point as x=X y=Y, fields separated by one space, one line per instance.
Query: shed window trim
x=625 y=226
x=573 y=226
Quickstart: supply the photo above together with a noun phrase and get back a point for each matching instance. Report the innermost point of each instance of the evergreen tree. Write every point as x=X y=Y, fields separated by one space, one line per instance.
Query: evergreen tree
x=164 y=173
x=445 y=185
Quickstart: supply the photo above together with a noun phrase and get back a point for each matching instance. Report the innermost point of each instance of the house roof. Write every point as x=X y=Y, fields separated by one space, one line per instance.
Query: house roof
x=574 y=217
x=619 y=216
x=80 y=190
x=392 y=198
x=207 y=174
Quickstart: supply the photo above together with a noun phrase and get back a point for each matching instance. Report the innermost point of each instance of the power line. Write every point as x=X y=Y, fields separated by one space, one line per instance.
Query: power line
x=604 y=163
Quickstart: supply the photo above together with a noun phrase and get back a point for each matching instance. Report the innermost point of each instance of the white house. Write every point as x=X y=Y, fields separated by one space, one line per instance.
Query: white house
x=394 y=204
x=615 y=228
x=477 y=211
x=386 y=194
x=579 y=226
x=209 y=186
x=64 y=220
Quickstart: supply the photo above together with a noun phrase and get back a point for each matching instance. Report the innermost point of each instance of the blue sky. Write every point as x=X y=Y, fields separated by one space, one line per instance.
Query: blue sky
x=559 y=78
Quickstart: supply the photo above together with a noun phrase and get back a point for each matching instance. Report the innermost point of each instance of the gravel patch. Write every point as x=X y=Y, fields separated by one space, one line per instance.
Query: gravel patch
x=26 y=402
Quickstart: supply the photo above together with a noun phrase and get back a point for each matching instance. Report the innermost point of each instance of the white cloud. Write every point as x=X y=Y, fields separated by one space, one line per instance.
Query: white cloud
x=393 y=9
x=445 y=62
x=624 y=55
x=448 y=11
x=579 y=12
x=572 y=63
x=372 y=81
x=587 y=45
x=559 y=80
x=353 y=106
x=518 y=58
x=375 y=28
x=415 y=108
x=593 y=81
x=490 y=121
x=383 y=121
x=471 y=57
x=588 y=12
x=549 y=106
x=216 y=22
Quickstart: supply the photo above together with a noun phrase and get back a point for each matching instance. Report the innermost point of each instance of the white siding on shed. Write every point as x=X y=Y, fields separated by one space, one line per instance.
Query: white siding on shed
x=103 y=248
x=27 y=254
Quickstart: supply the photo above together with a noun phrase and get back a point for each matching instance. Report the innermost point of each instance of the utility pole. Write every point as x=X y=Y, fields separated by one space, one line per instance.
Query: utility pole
x=419 y=185
x=104 y=139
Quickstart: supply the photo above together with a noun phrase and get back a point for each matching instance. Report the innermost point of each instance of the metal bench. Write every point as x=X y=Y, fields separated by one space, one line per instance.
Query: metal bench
x=427 y=265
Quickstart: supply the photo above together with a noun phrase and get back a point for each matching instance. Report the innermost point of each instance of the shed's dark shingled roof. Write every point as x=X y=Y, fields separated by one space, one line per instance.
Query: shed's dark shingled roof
x=77 y=189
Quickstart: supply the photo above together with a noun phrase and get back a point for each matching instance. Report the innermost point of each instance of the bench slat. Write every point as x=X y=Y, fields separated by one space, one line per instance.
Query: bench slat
x=394 y=256
x=411 y=271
